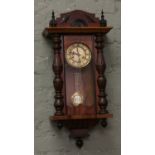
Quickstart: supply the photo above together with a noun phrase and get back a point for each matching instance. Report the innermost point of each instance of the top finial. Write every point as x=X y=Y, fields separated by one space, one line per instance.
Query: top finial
x=53 y=16
x=52 y=22
x=103 y=22
x=102 y=14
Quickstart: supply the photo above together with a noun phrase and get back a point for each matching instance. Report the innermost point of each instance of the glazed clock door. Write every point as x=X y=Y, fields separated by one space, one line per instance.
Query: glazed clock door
x=79 y=75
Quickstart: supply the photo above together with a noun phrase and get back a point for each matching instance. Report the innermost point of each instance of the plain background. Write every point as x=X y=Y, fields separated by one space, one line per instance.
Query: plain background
x=49 y=140
x=16 y=84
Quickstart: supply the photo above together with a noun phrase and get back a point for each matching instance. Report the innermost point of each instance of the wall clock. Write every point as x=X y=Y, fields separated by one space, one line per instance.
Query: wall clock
x=79 y=66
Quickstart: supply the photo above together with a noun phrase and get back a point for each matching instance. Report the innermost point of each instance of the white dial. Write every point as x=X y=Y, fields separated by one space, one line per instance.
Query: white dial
x=78 y=55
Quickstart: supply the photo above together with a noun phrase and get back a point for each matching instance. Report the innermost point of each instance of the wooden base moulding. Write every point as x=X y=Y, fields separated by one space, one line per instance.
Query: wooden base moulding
x=79 y=117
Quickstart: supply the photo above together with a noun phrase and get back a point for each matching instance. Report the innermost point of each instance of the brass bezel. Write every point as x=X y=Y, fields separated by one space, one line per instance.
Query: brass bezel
x=73 y=46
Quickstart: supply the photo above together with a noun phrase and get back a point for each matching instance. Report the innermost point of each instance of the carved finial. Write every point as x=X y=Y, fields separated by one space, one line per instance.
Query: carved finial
x=52 y=22
x=102 y=14
x=103 y=22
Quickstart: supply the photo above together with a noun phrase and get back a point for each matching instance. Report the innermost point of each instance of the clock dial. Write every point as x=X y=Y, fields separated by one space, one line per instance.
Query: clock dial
x=78 y=55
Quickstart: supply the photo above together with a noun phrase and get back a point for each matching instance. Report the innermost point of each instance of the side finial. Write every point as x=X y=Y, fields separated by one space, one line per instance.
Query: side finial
x=103 y=22
x=52 y=22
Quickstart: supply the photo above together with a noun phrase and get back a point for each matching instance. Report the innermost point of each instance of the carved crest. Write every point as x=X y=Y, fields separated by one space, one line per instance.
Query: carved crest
x=77 y=18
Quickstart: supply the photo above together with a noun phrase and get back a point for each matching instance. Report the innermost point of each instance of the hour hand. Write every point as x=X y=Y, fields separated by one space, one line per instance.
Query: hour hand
x=76 y=53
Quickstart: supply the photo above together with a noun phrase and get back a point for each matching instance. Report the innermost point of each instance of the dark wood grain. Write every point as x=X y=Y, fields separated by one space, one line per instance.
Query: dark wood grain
x=101 y=80
x=57 y=69
x=75 y=30
x=87 y=75
x=78 y=18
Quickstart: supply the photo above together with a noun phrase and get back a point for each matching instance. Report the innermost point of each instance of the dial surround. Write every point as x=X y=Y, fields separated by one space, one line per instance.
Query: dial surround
x=78 y=55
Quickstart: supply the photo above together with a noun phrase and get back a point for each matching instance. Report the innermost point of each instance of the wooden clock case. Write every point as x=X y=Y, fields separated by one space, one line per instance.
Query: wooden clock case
x=79 y=27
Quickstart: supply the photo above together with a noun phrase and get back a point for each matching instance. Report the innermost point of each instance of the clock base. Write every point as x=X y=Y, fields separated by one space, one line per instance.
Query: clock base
x=79 y=117
x=79 y=125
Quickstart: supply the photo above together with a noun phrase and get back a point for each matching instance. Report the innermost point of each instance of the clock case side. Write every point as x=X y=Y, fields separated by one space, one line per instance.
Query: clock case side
x=78 y=23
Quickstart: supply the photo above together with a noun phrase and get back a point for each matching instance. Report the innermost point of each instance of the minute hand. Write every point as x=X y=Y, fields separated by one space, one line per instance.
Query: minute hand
x=78 y=52
x=79 y=55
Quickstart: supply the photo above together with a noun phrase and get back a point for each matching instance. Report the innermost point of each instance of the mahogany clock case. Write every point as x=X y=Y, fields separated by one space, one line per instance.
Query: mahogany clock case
x=70 y=28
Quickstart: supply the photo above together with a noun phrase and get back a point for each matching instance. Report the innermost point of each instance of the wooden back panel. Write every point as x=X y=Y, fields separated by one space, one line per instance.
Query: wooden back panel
x=87 y=75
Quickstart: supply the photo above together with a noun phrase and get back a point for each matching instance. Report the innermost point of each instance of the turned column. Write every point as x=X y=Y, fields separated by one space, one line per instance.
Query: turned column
x=57 y=69
x=101 y=80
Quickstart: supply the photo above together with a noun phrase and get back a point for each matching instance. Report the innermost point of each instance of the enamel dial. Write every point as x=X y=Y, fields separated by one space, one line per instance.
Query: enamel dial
x=78 y=55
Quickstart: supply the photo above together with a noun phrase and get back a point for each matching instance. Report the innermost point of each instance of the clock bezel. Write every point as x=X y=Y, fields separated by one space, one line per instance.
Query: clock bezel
x=81 y=66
